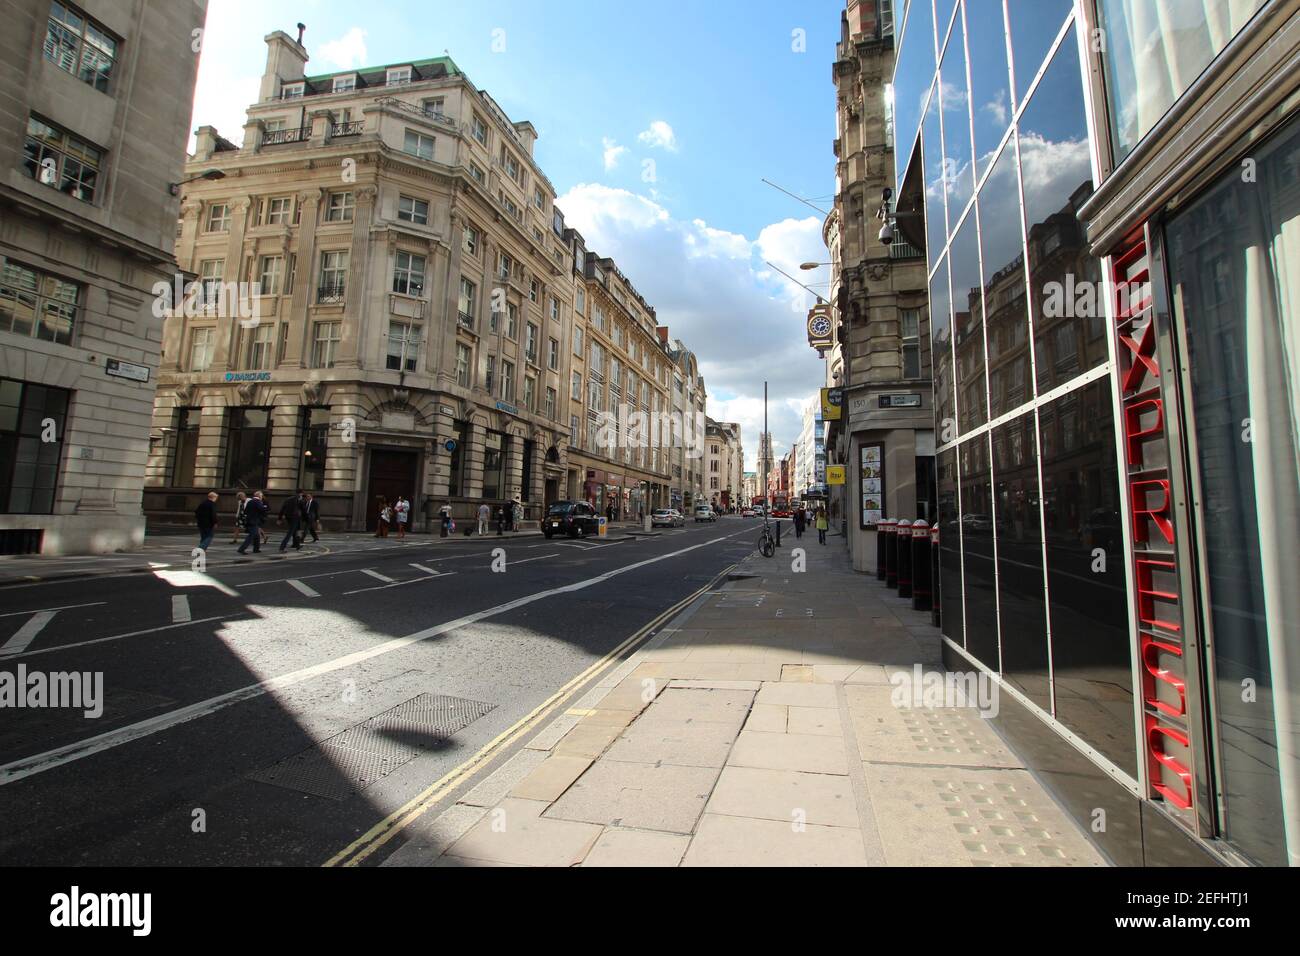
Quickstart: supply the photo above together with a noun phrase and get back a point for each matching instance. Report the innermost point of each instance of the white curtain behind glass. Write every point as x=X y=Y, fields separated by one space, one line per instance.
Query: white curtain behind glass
x=1171 y=42
x=1273 y=363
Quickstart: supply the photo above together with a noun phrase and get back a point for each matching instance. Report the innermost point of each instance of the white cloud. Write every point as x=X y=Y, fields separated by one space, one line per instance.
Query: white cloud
x=347 y=52
x=660 y=135
x=709 y=287
x=613 y=153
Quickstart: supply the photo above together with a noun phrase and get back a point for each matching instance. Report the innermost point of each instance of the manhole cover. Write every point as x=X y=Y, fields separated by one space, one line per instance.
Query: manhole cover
x=350 y=761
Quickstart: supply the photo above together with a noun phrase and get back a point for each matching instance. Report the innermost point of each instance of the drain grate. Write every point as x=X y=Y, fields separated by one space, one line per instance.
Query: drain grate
x=354 y=759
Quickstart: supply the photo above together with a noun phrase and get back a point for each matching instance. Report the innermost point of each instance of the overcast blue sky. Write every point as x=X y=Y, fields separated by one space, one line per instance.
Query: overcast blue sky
x=718 y=95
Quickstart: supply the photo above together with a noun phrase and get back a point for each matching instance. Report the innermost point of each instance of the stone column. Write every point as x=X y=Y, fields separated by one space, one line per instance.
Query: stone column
x=476 y=443
x=357 y=318
x=343 y=454
x=537 y=491
x=514 y=465
x=286 y=435
x=439 y=480
x=297 y=349
x=443 y=359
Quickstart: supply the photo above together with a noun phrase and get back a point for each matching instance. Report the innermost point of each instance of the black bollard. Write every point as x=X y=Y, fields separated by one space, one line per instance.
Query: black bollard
x=904 y=560
x=936 y=582
x=880 y=550
x=891 y=553
x=921 y=565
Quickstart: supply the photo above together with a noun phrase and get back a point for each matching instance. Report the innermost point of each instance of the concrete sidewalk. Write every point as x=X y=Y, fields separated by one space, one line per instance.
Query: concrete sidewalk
x=760 y=728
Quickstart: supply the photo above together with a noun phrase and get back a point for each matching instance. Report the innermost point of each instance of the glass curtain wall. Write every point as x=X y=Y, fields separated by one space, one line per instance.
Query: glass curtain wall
x=1028 y=479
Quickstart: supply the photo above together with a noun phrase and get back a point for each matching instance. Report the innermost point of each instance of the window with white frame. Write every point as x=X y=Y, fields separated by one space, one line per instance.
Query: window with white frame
x=530 y=344
x=476 y=171
x=471 y=240
x=575 y=387
x=490 y=378
x=530 y=393
x=505 y=266
x=345 y=84
x=203 y=343
x=325 y=343
x=279 y=211
x=333 y=275
x=410 y=209
x=464 y=358
x=549 y=409
x=270 y=275
x=577 y=341
x=398 y=76
x=553 y=354
x=479 y=129
x=293 y=91
x=580 y=302
x=512 y=321
x=434 y=105
x=218 y=218
x=468 y=295
x=408 y=274
x=261 y=347
x=534 y=290
x=418 y=144
x=539 y=199
x=404 y=345
x=340 y=207
x=508 y=381
x=37 y=304
x=211 y=275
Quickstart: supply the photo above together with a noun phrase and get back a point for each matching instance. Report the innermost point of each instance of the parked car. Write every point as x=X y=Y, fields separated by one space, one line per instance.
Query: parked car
x=666 y=518
x=705 y=513
x=572 y=518
x=749 y=513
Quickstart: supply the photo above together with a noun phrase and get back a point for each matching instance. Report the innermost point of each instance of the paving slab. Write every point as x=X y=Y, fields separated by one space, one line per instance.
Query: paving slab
x=548 y=781
x=797 y=695
x=636 y=795
x=785 y=795
x=622 y=847
x=515 y=832
x=803 y=752
x=767 y=718
x=715 y=706
x=743 y=841
x=495 y=788
x=669 y=740
x=957 y=816
x=587 y=740
x=824 y=721
x=956 y=736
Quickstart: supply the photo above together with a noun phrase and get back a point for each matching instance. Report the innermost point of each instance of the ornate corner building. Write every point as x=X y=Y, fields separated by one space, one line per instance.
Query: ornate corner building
x=878 y=355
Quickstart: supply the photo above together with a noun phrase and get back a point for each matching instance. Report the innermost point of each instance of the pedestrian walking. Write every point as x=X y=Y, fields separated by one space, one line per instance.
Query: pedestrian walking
x=241 y=502
x=484 y=516
x=800 y=522
x=445 y=522
x=516 y=515
x=385 y=517
x=313 y=517
x=501 y=520
x=822 y=524
x=205 y=515
x=402 y=512
x=255 y=512
x=293 y=514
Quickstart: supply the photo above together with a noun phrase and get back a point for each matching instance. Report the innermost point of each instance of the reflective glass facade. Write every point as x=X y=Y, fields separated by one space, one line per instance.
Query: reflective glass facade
x=1116 y=537
x=1028 y=476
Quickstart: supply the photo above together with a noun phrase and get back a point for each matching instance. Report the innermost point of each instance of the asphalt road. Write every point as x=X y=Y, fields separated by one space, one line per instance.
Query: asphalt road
x=248 y=713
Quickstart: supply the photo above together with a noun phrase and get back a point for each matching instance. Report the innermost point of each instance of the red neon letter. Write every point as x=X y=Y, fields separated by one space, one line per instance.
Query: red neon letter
x=1142 y=352
x=1151 y=649
x=1133 y=430
x=1182 y=801
x=1137 y=491
x=1146 y=593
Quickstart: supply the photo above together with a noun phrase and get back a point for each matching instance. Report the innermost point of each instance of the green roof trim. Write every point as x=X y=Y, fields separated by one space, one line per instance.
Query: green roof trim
x=446 y=61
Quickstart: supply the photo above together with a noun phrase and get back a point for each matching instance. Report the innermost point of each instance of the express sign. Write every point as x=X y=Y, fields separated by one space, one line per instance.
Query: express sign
x=1161 y=641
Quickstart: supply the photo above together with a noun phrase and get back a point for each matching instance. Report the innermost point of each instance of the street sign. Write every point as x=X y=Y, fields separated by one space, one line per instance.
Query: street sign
x=832 y=400
x=900 y=401
x=836 y=475
x=119 y=369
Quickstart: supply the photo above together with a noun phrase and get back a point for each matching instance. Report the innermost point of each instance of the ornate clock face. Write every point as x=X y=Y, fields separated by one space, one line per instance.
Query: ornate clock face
x=820 y=327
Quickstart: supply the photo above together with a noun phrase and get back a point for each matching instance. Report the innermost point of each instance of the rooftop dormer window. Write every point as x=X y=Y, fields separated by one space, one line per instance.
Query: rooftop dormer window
x=293 y=91
x=398 y=76
x=345 y=84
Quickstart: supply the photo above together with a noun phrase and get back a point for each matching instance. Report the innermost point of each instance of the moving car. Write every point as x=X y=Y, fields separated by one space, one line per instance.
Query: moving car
x=572 y=518
x=749 y=513
x=705 y=513
x=667 y=518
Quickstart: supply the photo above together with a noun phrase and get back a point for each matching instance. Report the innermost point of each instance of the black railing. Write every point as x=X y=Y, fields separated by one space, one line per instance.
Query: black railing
x=278 y=137
x=466 y=319
x=356 y=128
x=331 y=292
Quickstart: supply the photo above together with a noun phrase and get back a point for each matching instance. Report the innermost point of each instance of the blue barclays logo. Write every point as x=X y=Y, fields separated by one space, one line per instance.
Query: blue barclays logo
x=248 y=376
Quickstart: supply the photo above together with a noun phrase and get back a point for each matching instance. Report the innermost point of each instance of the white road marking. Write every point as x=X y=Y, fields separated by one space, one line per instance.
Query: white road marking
x=429 y=571
x=66 y=607
x=118 y=637
x=401 y=584
x=180 y=609
x=377 y=576
x=27 y=633
x=511 y=564
x=302 y=588
x=29 y=766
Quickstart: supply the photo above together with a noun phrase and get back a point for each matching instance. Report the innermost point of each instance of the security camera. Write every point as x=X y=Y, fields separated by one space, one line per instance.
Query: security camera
x=887 y=233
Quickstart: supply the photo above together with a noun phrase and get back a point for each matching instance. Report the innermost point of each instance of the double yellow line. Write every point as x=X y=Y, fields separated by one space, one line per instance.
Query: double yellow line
x=393 y=824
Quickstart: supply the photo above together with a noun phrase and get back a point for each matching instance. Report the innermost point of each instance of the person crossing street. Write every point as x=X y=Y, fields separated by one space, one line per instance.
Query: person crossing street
x=292 y=515
x=255 y=512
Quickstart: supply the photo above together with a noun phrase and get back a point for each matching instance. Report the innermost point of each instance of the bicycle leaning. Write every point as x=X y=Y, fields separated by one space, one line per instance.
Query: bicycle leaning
x=766 y=540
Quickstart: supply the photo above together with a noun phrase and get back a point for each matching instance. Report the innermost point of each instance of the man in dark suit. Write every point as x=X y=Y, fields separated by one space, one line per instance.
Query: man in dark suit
x=313 y=517
x=292 y=514
x=255 y=513
x=205 y=515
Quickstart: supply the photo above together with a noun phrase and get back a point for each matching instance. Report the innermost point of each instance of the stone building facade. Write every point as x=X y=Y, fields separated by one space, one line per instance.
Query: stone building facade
x=880 y=356
x=95 y=104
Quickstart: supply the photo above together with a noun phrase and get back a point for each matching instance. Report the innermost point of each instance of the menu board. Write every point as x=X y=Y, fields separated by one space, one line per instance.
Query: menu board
x=871 y=477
